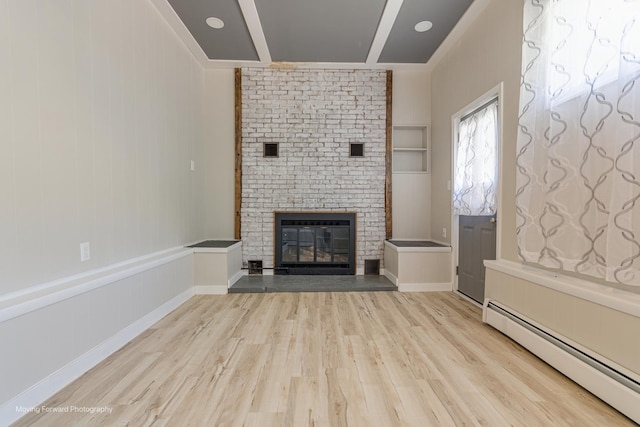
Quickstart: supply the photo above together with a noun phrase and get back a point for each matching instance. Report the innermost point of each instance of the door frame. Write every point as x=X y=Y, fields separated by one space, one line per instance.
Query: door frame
x=496 y=91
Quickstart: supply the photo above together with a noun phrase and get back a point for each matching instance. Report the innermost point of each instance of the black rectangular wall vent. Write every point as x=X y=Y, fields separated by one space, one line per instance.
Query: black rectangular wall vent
x=270 y=149
x=356 y=149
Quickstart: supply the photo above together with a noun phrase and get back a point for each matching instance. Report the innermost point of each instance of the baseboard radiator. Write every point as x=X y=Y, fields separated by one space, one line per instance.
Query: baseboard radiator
x=595 y=374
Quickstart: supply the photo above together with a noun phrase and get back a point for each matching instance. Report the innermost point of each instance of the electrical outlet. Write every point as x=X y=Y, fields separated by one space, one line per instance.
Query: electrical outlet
x=85 y=252
x=444 y=232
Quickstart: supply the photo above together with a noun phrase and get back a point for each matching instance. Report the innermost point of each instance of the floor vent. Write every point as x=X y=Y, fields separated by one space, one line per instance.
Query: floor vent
x=255 y=267
x=372 y=267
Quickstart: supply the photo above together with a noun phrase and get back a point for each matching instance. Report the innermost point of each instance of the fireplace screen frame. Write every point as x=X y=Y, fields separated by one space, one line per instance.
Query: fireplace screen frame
x=290 y=241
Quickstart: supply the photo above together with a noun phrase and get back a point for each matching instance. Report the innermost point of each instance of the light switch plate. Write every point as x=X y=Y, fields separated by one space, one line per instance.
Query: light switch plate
x=85 y=251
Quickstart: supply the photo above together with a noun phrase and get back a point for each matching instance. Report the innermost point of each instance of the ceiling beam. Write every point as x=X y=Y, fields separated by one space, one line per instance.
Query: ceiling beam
x=252 y=20
x=389 y=15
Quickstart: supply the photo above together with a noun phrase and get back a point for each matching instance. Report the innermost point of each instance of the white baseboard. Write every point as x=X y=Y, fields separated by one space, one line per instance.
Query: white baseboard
x=424 y=287
x=615 y=394
x=212 y=290
x=50 y=385
x=466 y=298
x=417 y=287
x=235 y=278
x=389 y=275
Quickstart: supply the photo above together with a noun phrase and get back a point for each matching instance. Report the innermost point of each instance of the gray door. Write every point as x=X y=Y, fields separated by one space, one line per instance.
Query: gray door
x=477 y=242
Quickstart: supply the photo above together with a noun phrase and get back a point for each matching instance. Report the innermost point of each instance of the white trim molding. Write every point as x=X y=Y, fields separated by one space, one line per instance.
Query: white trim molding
x=607 y=296
x=18 y=303
x=425 y=287
x=235 y=278
x=211 y=290
x=50 y=385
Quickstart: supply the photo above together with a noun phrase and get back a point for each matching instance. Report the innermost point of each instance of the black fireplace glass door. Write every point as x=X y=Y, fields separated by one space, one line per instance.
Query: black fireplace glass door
x=323 y=244
x=314 y=243
x=290 y=245
x=306 y=246
x=341 y=244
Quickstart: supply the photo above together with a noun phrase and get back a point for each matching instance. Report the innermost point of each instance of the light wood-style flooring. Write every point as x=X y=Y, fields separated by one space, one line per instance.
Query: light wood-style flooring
x=325 y=359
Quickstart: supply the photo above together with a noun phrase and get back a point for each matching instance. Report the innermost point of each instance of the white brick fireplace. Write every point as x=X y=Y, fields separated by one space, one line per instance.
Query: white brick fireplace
x=313 y=115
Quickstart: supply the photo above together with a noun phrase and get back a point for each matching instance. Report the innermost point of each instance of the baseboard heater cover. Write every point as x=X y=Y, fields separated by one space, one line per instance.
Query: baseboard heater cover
x=594 y=374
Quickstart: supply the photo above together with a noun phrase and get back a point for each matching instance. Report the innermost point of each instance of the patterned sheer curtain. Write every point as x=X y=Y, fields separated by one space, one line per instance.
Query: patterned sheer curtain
x=474 y=183
x=578 y=156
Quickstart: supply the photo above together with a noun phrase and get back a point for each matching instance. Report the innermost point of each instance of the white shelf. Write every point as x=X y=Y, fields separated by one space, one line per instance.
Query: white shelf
x=411 y=149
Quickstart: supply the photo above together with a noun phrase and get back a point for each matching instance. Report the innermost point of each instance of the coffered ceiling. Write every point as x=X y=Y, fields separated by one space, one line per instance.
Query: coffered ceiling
x=337 y=33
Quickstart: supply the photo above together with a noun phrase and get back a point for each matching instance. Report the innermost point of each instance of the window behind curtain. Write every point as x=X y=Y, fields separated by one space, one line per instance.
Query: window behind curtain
x=475 y=174
x=578 y=153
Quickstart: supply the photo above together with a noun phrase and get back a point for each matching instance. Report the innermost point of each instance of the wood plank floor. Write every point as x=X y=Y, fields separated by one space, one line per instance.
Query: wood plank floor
x=325 y=359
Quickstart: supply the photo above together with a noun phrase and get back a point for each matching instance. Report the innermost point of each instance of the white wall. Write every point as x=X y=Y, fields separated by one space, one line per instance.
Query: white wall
x=314 y=115
x=411 y=192
x=488 y=53
x=100 y=116
x=411 y=105
x=99 y=119
x=411 y=97
x=218 y=161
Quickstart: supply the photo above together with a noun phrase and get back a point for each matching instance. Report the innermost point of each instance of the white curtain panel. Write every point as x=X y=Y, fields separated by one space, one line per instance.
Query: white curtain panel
x=578 y=154
x=474 y=181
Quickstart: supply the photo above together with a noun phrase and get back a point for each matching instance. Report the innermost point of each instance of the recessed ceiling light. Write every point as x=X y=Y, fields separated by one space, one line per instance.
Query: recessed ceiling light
x=423 y=26
x=214 y=22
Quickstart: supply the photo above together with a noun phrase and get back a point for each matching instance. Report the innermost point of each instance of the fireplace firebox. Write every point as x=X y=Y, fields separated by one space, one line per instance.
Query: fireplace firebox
x=315 y=243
